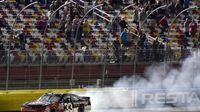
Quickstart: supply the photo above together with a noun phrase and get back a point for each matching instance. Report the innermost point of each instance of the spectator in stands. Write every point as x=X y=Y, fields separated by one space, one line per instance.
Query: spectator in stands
x=68 y=31
x=87 y=54
x=75 y=24
x=17 y=45
x=140 y=46
x=80 y=32
x=86 y=28
x=116 y=43
x=64 y=18
x=125 y=38
x=167 y=1
x=79 y=56
x=93 y=42
x=115 y=24
x=44 y=2
x=186 y=27
x=27 y=2
x=63 y=45
x=1 y=32
x=22 y=38
x=184 y=42
x=163 y=24
x=178 y=6
x=155 y=48
x=146 y=50
x=135 y=16
x=107 y=7
x=74 y=13
x=161 y=11
x=60 y=2
x=142 y=14
x=172 y=9
x=161 y=51
x=115 y=3
x=19 y=1
x=40 y=25
x=49 y=14
x=116 y=48
x=151 y=2
x=53 y=5
x=56 y=5
x=180 y=35
x=186 y=4
x=141 y=41
x=89 y=2
x=123 y=24
x=1 y=45
x=193 y=28
x=196 y=44
x=2 y=22
x=2 y=52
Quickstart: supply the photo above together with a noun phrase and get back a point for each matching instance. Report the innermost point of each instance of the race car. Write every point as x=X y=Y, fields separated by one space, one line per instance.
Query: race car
x=58 y=102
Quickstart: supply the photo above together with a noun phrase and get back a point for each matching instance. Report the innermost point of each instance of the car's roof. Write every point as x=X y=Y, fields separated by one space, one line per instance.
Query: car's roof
x=59 y=94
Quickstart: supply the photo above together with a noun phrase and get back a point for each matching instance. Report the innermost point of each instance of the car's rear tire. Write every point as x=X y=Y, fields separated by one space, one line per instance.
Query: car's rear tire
x=53 y=110
x=81 y=108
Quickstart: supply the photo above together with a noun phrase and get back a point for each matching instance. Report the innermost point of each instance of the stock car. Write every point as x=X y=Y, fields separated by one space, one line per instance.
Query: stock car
x=58 y=102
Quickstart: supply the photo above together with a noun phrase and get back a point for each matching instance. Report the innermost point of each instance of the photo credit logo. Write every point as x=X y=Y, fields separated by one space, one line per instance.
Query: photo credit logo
x=167 y=98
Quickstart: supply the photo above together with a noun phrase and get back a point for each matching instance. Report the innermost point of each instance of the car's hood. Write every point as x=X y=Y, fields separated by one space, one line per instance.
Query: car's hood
x=36 y=103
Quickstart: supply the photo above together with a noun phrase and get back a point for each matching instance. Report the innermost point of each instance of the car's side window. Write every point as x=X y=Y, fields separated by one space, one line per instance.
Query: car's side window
x=74 y=98
x=66 y=98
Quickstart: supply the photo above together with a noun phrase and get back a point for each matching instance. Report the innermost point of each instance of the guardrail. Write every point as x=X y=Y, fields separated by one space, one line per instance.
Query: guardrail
x=95 y=56
x=25 y=66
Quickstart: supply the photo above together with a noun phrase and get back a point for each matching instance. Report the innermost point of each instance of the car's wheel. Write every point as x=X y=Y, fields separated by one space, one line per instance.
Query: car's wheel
x=53 y=110
x=81 y=108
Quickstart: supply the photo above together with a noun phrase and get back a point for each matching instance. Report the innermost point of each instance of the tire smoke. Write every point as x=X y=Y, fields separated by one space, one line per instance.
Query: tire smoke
x=156 y=77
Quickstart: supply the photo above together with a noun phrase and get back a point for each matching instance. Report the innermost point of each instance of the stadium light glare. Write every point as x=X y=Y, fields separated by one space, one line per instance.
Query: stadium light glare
x=9 y=41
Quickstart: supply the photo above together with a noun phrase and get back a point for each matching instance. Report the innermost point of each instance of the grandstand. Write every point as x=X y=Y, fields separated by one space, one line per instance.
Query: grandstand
x=53 y=56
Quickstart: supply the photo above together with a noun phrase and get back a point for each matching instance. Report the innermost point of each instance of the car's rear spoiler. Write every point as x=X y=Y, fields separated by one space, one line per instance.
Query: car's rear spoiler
x=87 y=98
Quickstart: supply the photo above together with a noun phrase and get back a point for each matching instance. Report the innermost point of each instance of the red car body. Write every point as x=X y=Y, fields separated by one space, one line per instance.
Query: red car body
x=57 y=102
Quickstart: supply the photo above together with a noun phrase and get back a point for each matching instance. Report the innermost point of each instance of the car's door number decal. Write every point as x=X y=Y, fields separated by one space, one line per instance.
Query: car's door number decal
x=68 y=107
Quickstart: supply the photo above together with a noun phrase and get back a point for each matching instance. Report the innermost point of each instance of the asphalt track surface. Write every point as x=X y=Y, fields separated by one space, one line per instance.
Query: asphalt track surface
x=146 y=110
x=140 y=110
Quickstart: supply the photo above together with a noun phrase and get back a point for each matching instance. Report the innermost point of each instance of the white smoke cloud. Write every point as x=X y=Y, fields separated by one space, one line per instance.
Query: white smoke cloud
x=158 y=76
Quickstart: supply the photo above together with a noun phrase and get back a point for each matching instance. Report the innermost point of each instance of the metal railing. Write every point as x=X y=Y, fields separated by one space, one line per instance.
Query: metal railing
x=57 y=65
x=124 y=56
